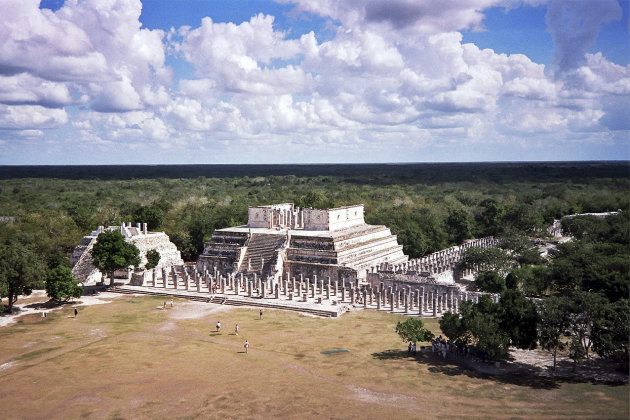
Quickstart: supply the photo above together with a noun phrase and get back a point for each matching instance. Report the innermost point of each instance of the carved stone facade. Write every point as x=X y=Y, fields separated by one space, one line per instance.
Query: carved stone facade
x=282 y=238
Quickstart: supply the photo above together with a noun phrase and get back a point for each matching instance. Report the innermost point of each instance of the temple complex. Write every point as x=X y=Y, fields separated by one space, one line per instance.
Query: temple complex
x=284 y=240
x=81 y=259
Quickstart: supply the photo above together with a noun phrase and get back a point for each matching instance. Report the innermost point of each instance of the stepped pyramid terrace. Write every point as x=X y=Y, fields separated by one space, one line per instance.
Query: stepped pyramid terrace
x=81 y=258
x=285 y=240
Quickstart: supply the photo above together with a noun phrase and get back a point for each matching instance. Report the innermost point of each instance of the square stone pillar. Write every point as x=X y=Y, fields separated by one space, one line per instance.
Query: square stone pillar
x=365 y=302
x=336 y=289
x=327 y=291
x=277 y=290
x=343 y=293
x=313 y=286
x=433 y=305
x=421 y=305
x=378 y=300
x=352 y=295
x=237 y=286
x=391 y=302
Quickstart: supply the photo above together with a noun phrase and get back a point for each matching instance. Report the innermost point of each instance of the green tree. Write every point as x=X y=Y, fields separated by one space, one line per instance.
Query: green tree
x=61 y=284
x=151 y=215
x=458 y=225
x=553 y=325
x=490 y=281
x=453 y=328
x=611 y=331
x=490 y=220
x=21 y=270
x=486 y=259
x=153 y=259
x=518 y=319
x=111 y=252
x=412 y=330
x=529 y=279
x=585 y=311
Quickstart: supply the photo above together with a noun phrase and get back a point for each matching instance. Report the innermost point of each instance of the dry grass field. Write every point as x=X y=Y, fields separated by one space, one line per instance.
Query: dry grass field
x=132 y=359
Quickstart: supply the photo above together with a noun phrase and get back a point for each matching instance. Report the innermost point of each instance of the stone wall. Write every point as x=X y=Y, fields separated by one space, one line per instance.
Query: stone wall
x=333 y=219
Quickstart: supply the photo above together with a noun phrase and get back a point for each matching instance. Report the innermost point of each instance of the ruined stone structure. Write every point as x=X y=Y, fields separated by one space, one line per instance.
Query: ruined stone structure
x=282 y=239
x=438 y=267
x=81 y=258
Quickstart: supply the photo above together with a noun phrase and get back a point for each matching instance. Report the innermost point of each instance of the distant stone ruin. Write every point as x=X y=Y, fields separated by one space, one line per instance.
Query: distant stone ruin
x=81 y=259
x=284 y=240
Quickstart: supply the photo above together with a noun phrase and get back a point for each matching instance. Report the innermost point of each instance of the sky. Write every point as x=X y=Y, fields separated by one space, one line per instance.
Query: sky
x=304 y=81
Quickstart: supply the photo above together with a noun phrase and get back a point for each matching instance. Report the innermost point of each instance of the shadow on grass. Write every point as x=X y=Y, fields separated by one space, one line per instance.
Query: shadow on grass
x=513 y=373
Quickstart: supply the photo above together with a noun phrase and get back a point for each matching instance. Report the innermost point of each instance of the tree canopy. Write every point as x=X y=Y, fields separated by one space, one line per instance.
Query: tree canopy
x=153 y=259
x=412 y=330
x=61 y=284
x=111 y=252
x=22 y=269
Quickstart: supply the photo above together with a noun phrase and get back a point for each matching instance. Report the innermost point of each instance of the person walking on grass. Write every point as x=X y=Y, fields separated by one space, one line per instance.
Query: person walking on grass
x=218 y=326
x=246 y=345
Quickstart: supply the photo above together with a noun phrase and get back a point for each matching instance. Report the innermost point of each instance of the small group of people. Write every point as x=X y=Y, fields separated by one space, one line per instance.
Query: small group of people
x=441 y=346
x=236 y=330
x=411 y=349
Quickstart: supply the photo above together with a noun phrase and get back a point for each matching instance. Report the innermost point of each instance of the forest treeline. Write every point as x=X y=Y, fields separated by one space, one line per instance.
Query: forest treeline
x=429 y=206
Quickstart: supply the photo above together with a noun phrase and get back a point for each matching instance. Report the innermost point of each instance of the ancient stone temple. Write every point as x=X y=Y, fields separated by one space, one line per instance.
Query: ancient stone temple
x=282 y=239
x=81 y=258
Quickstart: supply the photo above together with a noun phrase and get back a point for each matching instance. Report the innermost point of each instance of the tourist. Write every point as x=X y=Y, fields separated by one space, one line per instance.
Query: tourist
x=164 y=307
x=261 y=314
x=236 y=329
x=409 y=348
x=413 y=349
x=246 y=345
x=218 y=326
x=75 y=312
x=171 y=303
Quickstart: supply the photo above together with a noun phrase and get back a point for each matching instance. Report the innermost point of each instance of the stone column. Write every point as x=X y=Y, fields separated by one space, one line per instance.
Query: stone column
x=262 y=289
x=198 y=281
x=237 y=286
x=406 y=303
x=175 y=279
x=433 y=305
x=352 y=295
x=378 y=300
x=343 y=293
x=391 y=301
x=365 y=302
x=421 y=305
x=164 y=277
x=336 y=289
x=327 y=292
x=277 y=291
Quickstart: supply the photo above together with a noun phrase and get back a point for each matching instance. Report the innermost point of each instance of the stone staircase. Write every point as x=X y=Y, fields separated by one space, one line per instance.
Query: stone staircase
x=83 y=266
x=262 y=251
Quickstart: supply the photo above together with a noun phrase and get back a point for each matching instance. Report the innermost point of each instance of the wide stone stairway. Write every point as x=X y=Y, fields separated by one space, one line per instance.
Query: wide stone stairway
x=262 y=251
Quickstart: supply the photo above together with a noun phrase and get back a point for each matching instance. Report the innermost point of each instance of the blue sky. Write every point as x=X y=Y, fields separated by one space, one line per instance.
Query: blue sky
x=228 y=81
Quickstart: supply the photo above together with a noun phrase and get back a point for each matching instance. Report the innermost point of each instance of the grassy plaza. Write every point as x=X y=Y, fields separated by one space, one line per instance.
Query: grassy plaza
x=133 y=359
